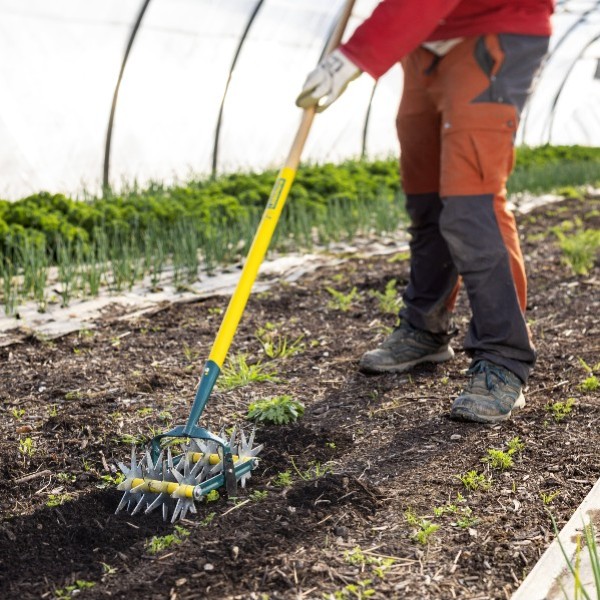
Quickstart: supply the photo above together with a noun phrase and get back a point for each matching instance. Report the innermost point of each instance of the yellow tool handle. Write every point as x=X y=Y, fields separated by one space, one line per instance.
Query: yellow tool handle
x=270 y=217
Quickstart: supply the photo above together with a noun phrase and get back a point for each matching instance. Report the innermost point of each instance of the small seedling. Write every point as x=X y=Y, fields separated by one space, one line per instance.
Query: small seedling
x=357 y=591
x=144 y=412
x=474 y=481
x=283 y=479
x=107 y=569
x=109 y=481
x=212 y=496
x=258 y=495
x=27 y=447
x=389 y=302
x=18 y=413
x=58 y=499
x=71 y=590
x=590 y=384
x=424 y=528
x=157 y=543
x=560 y=410
x=238 y=373
x=208 y=519
x=66 y=477
x=547 y=499
x=279 y=410
x=498 y=459
x=276 y=345
x=515 y=446
x=340 y=301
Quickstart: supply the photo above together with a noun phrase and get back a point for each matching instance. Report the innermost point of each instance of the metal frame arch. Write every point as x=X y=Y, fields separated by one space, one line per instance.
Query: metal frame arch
x=252 y=18
x=563 y=84
x=113 y=108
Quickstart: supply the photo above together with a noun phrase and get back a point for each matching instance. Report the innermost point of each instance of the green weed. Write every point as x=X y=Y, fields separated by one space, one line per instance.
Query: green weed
x=340 y=301
x=474 y=481
x=26 y=447
x=283 y=479
x=389 y=301
x=58 y=499
x=279 y=410
x=238 y=373
x=423 y=529
x=498 y=459
x=160 y=543
x=71 y=590
x=547 y=499
x=276 y=345
x=18 y=413
x=212 y=496
x=580 y=249
x=561 y=410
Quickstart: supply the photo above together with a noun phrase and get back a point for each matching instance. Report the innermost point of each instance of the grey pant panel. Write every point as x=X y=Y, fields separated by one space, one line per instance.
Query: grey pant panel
x=432 y=273
x=523 y=55
x=497 y=331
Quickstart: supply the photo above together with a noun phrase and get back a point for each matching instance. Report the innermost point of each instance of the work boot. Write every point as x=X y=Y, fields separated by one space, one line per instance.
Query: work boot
x=491 y=396
x=406 y=347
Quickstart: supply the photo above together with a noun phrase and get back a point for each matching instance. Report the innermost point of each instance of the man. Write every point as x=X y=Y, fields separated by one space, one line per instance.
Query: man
x=468 y=66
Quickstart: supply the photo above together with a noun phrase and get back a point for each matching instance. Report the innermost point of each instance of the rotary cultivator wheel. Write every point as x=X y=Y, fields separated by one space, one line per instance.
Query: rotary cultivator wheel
x=175 y=482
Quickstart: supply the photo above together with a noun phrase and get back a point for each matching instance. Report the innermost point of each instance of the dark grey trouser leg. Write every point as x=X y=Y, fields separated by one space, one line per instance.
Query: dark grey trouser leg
x=433 y=275
x=498 y=331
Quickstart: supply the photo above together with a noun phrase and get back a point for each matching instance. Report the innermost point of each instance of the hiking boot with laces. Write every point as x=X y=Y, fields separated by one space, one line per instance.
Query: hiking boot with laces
x=491 y=396
x=406 y=347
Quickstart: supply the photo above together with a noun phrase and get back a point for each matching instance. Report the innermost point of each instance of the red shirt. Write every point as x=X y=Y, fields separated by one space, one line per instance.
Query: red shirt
x=397 y=27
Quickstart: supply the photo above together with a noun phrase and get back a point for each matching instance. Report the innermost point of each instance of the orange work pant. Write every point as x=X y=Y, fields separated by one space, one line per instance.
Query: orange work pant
x=456 y=125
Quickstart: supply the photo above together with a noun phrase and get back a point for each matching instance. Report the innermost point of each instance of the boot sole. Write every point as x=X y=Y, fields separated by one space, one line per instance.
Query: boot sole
x=406 y=366
x=464 y=414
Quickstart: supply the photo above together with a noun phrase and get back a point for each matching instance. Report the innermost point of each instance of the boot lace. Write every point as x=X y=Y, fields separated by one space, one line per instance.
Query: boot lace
x=483 y=367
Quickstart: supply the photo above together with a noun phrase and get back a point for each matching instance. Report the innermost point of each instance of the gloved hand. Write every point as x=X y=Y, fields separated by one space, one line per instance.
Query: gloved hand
x=326 y=83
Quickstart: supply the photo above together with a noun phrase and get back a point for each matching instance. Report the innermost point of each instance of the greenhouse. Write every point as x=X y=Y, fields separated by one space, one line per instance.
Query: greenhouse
x=208 y=87
x=244 y=356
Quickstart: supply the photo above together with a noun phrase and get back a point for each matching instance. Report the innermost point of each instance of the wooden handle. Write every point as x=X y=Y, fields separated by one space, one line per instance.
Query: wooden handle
x=293 y=159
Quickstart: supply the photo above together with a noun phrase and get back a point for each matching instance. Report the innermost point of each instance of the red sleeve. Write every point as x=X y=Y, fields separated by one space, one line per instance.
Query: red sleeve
x=395 y=28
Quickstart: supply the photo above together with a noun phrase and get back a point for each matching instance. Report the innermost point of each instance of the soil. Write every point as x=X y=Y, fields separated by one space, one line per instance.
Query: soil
x=367 y=450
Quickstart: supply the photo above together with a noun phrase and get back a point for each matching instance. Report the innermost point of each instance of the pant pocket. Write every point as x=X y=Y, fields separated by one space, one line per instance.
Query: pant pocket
x=478 y=150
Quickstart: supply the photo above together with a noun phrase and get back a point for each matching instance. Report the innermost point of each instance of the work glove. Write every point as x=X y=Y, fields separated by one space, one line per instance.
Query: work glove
x=326 y=83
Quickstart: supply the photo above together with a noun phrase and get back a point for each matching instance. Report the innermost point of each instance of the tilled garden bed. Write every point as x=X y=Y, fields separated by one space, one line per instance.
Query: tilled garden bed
x=372 y=467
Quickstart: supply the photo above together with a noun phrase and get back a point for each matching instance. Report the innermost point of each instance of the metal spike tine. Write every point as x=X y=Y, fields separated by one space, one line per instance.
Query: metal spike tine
x=251 y=440
x=165 y=511
x=138 y=506
x=133 y=458
x=254 y=452
x=177 y=510
x=125 y=469
x=137 y=488
x=160 y=499
x=124 y=501
x=232 y=437
x=169 y=458
x=243 y=442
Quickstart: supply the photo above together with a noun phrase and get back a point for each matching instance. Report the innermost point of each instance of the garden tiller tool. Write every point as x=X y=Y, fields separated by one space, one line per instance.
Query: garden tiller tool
x=205 y=461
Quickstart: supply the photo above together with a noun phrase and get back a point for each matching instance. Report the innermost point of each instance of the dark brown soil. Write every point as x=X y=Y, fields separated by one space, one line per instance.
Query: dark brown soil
x=367 y=450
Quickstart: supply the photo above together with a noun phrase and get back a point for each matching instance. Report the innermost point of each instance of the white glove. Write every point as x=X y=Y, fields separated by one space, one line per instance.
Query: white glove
x=326 y=83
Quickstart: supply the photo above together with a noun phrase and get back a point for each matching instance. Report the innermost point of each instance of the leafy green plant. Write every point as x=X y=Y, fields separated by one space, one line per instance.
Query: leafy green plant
x=515 y=446
x=160 y=543
x=276 y=345
x=71 y=590
x=580 y=249
x=547 y=499
x=590 y=384
x=561 y=410
x=358 y=591
x=208 y=519
x=423 y=529
x=473 y=481
x=18 y=413
x=238 y=373
x=279 y=410
x=212 y=496
x=498 y=459
x=340 y=301
x=389 y=301
x=26 y=447
x=58 y=499
x=259 y=495
x=283 y=479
